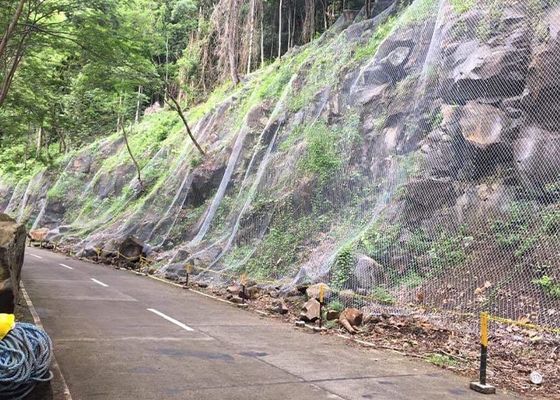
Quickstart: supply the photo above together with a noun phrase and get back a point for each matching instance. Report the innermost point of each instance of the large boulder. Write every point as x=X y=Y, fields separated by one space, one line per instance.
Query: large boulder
x=482 y=125
x=131 y=248
x=496 y=69
x=537 y=161
x=367 y=272
x=12 y=248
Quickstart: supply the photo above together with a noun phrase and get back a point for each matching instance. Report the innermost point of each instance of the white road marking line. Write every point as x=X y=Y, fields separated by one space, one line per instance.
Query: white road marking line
x=172 y=320
x=35 y=255
x=65 y=266
x=99 y=282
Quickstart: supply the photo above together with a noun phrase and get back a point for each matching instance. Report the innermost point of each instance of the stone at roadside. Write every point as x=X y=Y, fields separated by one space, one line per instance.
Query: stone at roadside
x=236 y=300
x=202 y=285
x=314 y=291
x=251 y=293
x=351 y=319
x=311 y=310
x=38 y=235
x=131 y=249
x=279 y=307
x=332 y=315
x=12 y=248
x=234 y=289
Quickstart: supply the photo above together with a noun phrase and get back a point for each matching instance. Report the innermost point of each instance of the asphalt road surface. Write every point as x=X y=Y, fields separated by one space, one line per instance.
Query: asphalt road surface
x=119 y=336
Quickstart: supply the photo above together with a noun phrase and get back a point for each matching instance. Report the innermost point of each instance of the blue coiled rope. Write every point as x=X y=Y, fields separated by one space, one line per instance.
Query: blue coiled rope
x=25 y=357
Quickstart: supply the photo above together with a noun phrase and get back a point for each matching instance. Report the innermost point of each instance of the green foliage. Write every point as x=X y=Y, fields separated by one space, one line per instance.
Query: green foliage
x=336 y=305
x=342 y=267
x=322 y=157
x=377 y=241
x=411 y=280
x=417 y=12
x=447 y=251
x=462 y=6
x=364 y=52
x=441 y=360
x=382 y=296
x=513 y=231
x=551 y=287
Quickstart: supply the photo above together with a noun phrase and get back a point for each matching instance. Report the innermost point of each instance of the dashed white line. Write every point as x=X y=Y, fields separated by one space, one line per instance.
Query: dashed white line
x=172 y=320
x=65 y=266
x=99 y=282
x=35 y=255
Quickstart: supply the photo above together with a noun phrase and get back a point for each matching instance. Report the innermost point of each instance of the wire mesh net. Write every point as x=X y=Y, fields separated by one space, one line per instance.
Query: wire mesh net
x=409 y=161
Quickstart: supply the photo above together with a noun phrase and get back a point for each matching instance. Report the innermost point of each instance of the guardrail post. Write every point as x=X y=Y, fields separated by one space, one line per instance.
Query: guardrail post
x=481 y=386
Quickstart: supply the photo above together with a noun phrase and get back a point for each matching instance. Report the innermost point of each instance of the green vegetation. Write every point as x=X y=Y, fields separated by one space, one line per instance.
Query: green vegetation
x=382 y=296
x=551 y=287
x=322 y=157
x=336 y=305
x=342 y=268
x=462 y=6
x=442 y=360
x=513 y=232
x=368 y=50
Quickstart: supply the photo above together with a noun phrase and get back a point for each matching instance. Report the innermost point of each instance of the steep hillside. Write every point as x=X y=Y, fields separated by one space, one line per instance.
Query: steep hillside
x=411 y=158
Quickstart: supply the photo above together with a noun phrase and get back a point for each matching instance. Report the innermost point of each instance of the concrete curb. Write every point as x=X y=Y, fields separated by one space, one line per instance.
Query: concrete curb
x=37 y=321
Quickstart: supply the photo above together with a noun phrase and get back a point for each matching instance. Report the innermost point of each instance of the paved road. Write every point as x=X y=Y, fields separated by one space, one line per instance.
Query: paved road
x=120 y=336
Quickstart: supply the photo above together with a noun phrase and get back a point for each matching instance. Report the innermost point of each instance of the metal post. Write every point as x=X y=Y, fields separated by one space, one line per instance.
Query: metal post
x=481 y=385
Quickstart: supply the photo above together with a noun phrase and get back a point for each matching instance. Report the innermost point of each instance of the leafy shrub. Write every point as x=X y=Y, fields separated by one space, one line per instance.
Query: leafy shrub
x=382 y=296
x=549 y=286
x=370 y=48
x=342 y=266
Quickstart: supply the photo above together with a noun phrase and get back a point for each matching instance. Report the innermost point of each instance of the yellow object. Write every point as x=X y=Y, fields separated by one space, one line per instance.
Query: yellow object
x=484 y=329
x=7 y=323
x=189 y=268
x=321 y=293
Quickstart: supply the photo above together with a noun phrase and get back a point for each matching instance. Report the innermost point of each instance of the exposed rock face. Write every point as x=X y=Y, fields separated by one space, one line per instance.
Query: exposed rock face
x=537 y=160
x=12 y=248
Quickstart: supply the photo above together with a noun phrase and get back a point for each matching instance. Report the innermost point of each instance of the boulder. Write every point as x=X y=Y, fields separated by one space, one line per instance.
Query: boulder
x=482 y=125
x=351 y=319
x=38 y=235
x=332 y=315
x=543 y=86
x=423 y=197
x=311 y=311
x=131 y=249
x=536 y=156
x=279 y=306
x=314 y=291
x=481 y=70
x=12 y=248
x=367 y=272
x=347 y=297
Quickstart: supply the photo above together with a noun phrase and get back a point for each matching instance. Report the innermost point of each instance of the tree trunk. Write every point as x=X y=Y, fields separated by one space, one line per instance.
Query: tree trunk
x=280 y=29
x=11 y=27
x=137 y=116
x=7 y=82
x=232 y=40
x=309 y=22
x=262 y=39
x=175 y=105
x=39 y=142
x=251 y=34
x=136 y=165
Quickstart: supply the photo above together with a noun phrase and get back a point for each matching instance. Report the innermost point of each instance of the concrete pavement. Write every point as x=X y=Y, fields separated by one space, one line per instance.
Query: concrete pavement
x=119 y=336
